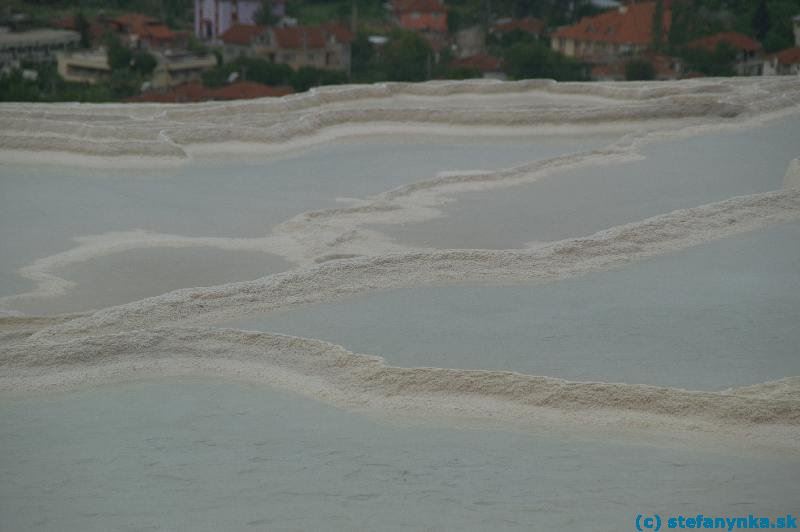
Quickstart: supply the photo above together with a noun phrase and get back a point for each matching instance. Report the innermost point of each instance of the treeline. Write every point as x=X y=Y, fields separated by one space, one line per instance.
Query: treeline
x=263 y=71
x=769 y=21
x=176 y=13
x=408 y=57
x=48 y=86
x=527 y=56
x=41 y=82
x=466 y=13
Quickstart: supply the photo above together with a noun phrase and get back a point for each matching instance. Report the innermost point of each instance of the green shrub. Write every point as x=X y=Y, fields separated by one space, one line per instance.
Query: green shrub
x=639 y=70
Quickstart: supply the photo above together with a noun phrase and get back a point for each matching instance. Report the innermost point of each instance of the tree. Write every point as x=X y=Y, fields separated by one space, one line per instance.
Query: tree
x=171 y=11
x=49 y=87
x=124 y=83
x=509 y=39
x=760 y=22
x=679 y=28
x=119 y=56
x=361 y=55
x=717 y=63
x=639 y=70
x=407 y=57
x=692 y=19
x=585 y=9
x=249 y=68
x=307 y=77
x=82 y=26
x=263 y=71
x=143 y=63
x=658 y=25
x=535 y=60
x=196 y=46
x=780 y=34
x=462 y=73
x=264 y=15
x=128 y=68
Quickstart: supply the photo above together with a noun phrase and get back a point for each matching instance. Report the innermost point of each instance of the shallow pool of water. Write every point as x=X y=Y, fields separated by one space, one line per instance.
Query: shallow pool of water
x=210 y=455
x=710 y=317
x=42 y=208
x=136 y=274
x=676 y=174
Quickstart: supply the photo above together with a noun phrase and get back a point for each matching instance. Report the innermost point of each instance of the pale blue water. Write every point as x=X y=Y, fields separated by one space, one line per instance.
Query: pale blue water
x=184 y=455
x=43 y=207
x=136 y=274
x=722 y=314
x=675 y=175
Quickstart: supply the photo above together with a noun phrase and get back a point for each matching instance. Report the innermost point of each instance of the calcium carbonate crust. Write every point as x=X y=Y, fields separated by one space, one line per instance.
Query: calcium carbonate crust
x=174 y=334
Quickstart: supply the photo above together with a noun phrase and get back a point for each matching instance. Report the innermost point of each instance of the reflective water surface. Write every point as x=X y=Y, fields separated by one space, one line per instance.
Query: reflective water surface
x=210 y=455
x=718 y=315
x=676 y=174
x=44 y=207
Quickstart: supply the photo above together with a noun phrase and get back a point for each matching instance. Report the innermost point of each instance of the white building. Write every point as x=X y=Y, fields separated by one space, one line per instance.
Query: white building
x=785 y=62
x=326 y=46
x=90 y=66
x=176 y=68
x=212 y=18
x=35 y=45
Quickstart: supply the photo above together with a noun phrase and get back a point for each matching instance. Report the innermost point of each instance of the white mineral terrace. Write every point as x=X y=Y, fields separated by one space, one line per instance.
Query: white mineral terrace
x=616 y=263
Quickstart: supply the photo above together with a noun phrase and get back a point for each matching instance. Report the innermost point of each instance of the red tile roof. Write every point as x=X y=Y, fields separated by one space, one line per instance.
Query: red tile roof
x=196 y=92
x=96 y=29
x=340 y=32
x=294 y=37
x=528 y=24
x=608 y=71
x=421 y=6
x=737 y=40
x=482 y=62
x=242 y=34
x=160 y=32
x=245 y=90
x=66 y=23
x=664 y=67
x=134 y=19
x=299 y=37
x=790 y=56
x=632 y=24
x=144 y=26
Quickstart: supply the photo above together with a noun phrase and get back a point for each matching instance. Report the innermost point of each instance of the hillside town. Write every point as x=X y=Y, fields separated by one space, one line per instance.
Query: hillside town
x=231 y=49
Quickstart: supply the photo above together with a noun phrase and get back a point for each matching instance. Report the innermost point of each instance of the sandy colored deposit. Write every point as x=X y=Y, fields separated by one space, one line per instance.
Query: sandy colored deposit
x=333 y=255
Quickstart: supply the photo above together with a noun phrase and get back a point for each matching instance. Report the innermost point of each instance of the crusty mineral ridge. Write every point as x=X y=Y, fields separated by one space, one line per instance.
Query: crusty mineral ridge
x=174 y=334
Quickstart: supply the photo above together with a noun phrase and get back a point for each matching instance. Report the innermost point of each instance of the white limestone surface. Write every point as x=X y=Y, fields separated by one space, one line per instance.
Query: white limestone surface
x=336 y=252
